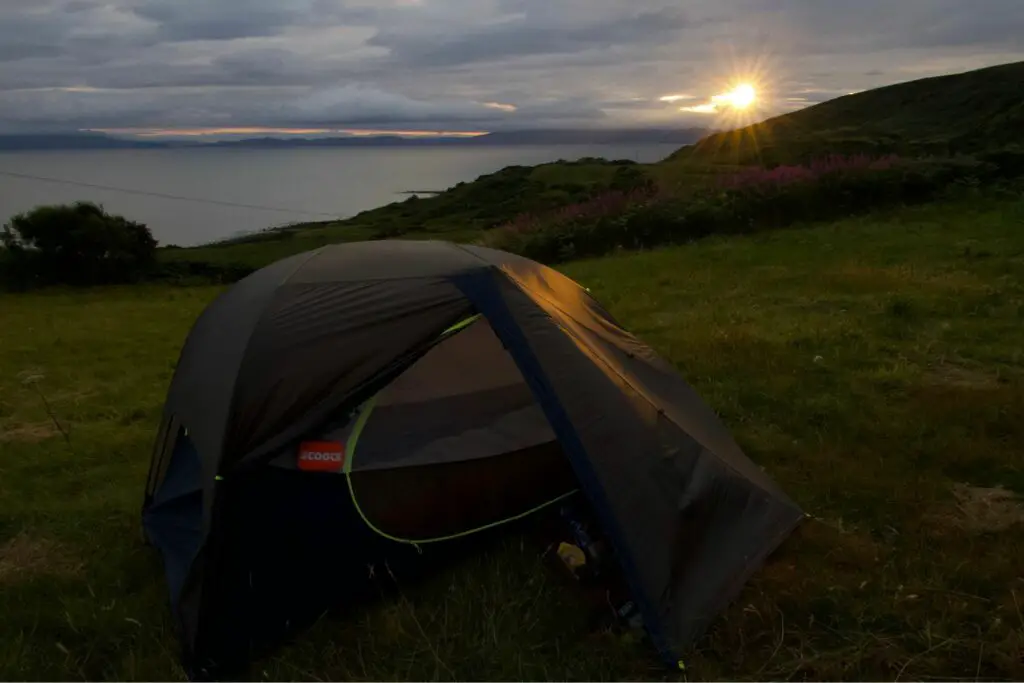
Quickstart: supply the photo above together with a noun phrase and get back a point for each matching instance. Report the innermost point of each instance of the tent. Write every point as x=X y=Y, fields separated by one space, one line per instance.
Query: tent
x=377 y=402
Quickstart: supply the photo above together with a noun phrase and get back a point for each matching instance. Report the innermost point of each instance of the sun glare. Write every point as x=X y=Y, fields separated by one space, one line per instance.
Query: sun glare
x=743 y=96
x=740 y=97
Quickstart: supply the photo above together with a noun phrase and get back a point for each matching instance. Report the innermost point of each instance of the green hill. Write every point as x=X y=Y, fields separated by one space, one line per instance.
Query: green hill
x=970 y=112
x=978 y=113
x=461 y=213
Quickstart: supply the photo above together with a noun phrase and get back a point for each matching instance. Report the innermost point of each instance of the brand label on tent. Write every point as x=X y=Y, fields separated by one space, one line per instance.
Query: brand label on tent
x=321 y=456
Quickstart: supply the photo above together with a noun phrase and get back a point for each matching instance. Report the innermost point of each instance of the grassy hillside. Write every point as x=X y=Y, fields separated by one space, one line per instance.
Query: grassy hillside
x=873 y=366
x=979 y=112
x=961 y=113
x=460 y=214
x=474 y=206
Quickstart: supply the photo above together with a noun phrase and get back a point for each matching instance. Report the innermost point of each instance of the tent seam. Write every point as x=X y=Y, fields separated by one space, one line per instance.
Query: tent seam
x=576 y=452
x=252 y=333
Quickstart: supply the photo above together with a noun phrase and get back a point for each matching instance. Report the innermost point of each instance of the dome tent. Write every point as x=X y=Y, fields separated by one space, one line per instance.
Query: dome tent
x=363 y=402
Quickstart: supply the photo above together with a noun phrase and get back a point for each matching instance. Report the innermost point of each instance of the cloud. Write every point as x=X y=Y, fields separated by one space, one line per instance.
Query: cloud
x=447 y=63
x=354 y=105
x=837 y=27
x=523 y=35
x=190 y=20
x=338 y=107
x=41 y=29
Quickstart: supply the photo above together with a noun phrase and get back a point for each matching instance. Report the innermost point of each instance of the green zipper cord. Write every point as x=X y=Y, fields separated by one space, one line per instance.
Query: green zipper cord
x=350 y=449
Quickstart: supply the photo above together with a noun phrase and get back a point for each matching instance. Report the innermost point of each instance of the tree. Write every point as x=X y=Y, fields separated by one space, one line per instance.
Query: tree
x=78 y=244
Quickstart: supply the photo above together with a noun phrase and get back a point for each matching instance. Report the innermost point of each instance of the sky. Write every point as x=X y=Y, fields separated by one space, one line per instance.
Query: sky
x=182 y=67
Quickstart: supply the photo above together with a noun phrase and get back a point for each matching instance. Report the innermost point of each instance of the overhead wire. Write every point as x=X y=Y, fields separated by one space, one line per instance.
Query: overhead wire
x=163 y=195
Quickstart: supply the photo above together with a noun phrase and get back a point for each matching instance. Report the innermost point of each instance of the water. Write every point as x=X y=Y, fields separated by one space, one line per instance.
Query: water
x=289 y=185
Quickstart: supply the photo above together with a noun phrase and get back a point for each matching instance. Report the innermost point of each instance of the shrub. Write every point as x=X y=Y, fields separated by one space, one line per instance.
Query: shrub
x=1008 y=162
x=78 y=244
x=748 y=201
x=629 y=178
x=817 y=170
x=559 y=230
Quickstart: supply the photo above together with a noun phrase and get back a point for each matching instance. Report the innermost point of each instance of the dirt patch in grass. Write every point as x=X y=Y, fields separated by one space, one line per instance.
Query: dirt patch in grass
x=29 y=432
x=947 y=375
x=23 y=556
x=987 y=509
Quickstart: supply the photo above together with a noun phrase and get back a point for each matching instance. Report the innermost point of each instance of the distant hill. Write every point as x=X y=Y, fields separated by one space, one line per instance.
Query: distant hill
x=683 y=136
x=970 y=112
x=55 y=141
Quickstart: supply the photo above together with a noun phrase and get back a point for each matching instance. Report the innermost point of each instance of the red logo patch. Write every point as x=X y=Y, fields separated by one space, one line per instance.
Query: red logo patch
x=321 y=456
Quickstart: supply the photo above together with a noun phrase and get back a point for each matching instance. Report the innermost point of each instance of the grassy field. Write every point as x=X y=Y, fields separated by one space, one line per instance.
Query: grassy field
x=875 y=367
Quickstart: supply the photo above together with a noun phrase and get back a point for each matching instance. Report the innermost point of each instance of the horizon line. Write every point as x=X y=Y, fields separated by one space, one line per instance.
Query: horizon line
x=149 y=132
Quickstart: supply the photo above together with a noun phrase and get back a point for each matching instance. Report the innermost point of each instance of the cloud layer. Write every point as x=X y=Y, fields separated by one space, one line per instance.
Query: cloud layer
x=466 y=64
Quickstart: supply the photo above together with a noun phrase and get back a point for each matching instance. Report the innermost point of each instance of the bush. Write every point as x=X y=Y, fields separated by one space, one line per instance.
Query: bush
x=77 y=244
x=749 y=201
x=629 y=178
x=1008 y=162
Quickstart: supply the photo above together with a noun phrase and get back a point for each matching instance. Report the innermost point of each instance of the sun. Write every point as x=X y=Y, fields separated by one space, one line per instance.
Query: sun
x=740 y=97
x=739 y=102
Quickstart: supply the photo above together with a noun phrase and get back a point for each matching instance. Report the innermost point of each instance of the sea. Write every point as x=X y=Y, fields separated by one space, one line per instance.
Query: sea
x=195 y=196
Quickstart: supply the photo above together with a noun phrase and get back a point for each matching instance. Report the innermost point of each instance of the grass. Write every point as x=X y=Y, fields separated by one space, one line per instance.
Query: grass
x=461 y=213
x=875 y=367
x=960 y=113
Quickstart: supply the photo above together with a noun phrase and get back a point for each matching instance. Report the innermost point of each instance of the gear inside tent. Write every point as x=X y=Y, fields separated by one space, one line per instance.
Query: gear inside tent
x=384 y=403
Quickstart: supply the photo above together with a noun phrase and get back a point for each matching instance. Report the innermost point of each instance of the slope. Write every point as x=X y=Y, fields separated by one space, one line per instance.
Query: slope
x=971 y=112
x=978 y=112
x=459 y=213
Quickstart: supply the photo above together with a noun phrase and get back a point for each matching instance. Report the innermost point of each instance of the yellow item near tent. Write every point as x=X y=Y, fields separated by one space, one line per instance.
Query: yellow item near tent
x=571 y=555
